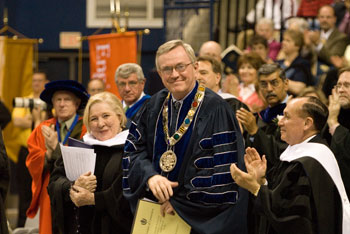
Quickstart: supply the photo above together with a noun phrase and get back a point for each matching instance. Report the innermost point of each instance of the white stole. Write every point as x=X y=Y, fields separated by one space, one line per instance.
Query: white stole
x=118 y=139
x=326 y=158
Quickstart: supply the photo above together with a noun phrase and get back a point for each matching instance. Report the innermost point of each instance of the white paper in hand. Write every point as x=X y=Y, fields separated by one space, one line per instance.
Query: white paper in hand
x=77 y=161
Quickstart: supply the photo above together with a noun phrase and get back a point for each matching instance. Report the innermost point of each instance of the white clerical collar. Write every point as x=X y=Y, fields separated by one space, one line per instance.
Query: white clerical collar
x=141 y=96
x=308 y=139
x=289 y=153
x=118 y=139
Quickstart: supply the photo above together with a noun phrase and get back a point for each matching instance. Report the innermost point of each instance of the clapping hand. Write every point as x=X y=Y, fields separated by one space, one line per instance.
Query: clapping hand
x=256 y=169
x=255 y=165
x=333 y=108
x=247 y=119
x=51 y=138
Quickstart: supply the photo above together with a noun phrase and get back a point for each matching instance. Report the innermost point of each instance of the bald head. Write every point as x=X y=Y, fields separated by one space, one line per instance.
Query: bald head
x=211 y=48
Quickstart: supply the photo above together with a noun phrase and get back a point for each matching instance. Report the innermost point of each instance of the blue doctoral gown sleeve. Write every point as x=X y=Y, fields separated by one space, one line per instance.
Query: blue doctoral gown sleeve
x=137 y=161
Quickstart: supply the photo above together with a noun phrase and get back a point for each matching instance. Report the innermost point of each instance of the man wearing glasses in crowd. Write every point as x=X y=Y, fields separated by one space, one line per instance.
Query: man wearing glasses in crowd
x=273 y=86
x=130 y=81
x=179 y=151
x=339 y=124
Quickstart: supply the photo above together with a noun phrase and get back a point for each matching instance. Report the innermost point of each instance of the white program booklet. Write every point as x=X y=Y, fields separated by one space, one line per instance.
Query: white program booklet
x=77 y=161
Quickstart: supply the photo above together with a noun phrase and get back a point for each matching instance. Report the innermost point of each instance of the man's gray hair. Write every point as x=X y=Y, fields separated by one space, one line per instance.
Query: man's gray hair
x=267 y=69
x=170 y=45
x=126 y=69
x=301 y=22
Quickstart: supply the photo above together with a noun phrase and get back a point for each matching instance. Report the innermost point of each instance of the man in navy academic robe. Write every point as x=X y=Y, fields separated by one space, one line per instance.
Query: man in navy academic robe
x=203 y=137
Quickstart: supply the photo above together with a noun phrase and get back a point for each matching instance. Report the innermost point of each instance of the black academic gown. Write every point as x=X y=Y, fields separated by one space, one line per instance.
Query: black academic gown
x=300 y=198
x=207 y=198
x=4 y=183
x=340 y=145
x=236 y=104
x=267 y=140
x=111 y=212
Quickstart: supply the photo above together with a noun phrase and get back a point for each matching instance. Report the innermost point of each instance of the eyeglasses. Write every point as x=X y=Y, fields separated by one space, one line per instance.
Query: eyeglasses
x=274 y=83
x=346 y=85
x=131 y=84
x=179 y=68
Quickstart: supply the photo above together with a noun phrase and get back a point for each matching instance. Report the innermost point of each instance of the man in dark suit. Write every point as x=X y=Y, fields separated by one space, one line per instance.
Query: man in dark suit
x=331 y=42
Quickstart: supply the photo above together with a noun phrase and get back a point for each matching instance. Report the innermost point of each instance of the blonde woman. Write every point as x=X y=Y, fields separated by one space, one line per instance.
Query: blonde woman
x=94 y=202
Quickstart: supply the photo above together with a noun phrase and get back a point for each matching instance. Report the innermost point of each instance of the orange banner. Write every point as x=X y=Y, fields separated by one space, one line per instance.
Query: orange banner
x=107 y=52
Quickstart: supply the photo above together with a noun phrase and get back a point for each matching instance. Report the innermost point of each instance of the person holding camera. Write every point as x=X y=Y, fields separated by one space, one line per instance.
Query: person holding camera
x=67 y=97
x=26 y=119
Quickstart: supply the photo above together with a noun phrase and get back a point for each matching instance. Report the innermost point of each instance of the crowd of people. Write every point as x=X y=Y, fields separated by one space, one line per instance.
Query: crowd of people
x=259 y=150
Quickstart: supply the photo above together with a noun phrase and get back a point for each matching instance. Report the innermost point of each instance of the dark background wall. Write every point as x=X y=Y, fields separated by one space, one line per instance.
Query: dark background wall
x=47 y=18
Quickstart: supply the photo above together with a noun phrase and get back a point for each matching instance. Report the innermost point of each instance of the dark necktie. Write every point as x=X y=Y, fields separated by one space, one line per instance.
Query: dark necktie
x=174 y=114
x=63 y=130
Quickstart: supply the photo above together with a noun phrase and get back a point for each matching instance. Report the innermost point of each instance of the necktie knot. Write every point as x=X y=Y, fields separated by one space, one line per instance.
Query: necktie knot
x=177 y=105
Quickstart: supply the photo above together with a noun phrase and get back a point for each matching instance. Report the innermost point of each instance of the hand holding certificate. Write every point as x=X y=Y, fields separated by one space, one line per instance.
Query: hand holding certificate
x=77 y=161
x=148 y=220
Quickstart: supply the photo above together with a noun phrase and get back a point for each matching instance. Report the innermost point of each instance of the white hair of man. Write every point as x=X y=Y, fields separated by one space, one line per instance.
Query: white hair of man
x=126 y=69
x=170 y=45
x=297 y=22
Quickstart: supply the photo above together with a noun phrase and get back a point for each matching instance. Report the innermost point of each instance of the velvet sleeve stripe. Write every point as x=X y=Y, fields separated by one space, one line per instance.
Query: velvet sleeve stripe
x=219 y=159
x=126 y=163
x=125 y=183
x=206 y=162
x=134 y=132
x=218 y=179
x=129 y=146
x=218 y=139
x=229 y=197
x=224 y=138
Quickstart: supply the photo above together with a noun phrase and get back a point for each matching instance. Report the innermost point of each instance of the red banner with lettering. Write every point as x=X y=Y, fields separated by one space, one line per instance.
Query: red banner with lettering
x=107 y=52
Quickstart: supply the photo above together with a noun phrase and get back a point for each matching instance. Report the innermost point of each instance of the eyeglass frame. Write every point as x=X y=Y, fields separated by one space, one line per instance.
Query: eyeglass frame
x=274 y=83
x=346 y=85
x=170 y=69
x=131 y=84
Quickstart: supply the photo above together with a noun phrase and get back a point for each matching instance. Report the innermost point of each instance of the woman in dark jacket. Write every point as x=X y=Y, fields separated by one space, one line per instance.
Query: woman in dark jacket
x=298 y=69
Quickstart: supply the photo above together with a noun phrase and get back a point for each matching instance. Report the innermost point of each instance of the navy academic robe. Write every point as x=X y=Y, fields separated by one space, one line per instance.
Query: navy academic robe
x=207 y=198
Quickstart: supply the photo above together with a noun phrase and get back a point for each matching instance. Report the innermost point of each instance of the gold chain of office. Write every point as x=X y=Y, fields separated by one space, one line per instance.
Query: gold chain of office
x=168 y=159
